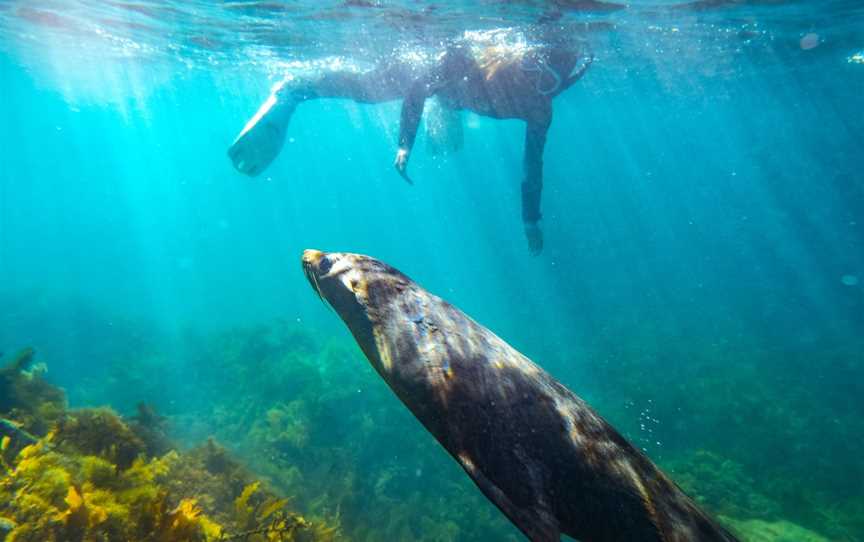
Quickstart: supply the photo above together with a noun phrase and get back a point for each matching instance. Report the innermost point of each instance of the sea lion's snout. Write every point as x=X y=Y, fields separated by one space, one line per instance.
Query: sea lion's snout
x=324 y=264
x=312 y=256
x=309 y=261
x=342 y=280
x=316 y=266
x=333 y=275
x=349 y=282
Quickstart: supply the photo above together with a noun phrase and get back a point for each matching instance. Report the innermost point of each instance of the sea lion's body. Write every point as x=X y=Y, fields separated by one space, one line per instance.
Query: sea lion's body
x=534 y=448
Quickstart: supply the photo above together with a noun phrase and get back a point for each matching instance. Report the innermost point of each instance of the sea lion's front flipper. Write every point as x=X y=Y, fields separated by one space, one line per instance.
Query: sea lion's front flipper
x=537 y=525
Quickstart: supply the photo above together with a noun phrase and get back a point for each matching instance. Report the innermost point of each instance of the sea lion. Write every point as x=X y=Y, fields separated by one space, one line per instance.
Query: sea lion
x=540 y=453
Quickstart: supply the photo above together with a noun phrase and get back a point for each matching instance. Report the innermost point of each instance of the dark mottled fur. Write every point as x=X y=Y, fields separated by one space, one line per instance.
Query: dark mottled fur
x=534 y=448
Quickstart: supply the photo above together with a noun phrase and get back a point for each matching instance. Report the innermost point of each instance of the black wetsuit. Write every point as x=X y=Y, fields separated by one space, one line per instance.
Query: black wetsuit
x=511 y=88
x=518 y=89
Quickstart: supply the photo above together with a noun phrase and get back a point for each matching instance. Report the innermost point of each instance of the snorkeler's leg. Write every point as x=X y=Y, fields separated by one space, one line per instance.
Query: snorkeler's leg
x=262 y=138
x=532 y=182
x=387 y=82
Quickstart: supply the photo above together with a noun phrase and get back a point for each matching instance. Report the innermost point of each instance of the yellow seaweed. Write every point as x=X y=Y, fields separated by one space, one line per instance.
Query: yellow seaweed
x=61 y=489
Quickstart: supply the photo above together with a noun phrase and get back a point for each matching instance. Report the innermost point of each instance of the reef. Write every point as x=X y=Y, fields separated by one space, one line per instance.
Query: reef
x=303 y=415
x=88 y=475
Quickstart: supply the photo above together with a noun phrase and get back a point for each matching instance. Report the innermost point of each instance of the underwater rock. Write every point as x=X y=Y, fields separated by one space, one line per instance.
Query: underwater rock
x=152 y=429
x=26 y=397
x=100 y=432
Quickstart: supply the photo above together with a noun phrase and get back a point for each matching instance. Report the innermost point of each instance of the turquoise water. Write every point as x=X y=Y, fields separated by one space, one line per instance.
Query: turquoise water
x=702 y=281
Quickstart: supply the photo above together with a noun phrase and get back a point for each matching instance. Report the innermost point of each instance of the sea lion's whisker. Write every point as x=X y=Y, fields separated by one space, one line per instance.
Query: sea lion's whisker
x=318 y=289
x=313 y=281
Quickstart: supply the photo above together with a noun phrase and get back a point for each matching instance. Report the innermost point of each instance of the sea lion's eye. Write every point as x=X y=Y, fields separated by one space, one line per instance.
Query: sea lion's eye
x=324 y=265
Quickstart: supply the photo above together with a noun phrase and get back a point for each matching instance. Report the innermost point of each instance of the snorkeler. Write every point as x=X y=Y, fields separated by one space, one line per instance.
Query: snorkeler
x=497 y=82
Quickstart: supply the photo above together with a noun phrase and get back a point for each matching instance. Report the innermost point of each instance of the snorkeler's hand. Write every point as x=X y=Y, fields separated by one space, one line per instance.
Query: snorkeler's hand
x=534 y=235
x=401 y=164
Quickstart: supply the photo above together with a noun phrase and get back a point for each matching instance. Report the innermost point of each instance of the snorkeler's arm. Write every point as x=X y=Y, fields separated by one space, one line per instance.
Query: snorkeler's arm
x=532 y=182
x=412 y=110
x=409 y=121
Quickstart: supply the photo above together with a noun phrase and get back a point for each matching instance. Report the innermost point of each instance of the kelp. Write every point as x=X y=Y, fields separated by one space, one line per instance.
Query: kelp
x=56 y=493
x=95 y=477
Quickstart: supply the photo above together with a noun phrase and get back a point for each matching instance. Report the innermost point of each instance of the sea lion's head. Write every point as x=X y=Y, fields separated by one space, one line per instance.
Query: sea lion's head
x=365 y=292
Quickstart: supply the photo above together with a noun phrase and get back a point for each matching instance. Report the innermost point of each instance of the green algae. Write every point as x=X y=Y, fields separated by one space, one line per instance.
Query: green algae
x=758 y=530
x=721 y=485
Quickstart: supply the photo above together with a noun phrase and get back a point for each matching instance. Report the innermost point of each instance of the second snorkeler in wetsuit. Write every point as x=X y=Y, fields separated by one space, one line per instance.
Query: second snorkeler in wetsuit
x=502 y=83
